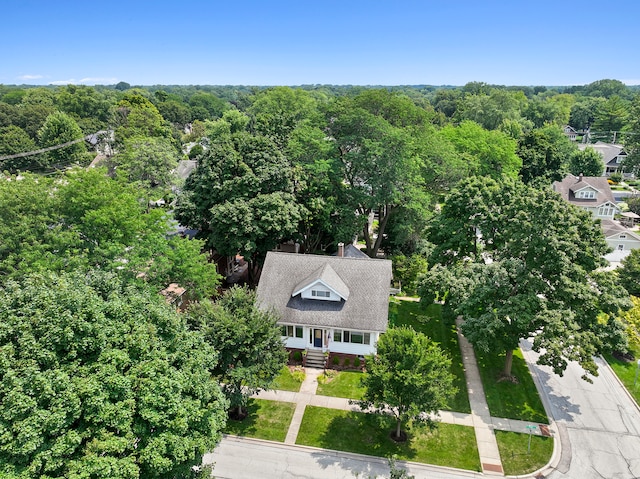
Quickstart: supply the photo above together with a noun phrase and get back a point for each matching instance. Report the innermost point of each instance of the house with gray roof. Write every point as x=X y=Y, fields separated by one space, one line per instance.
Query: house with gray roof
x=612 y=155
x=337 y=304
x=592 y=193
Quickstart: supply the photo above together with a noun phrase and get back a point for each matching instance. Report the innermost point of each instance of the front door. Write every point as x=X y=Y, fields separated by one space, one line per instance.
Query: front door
x=317 y=338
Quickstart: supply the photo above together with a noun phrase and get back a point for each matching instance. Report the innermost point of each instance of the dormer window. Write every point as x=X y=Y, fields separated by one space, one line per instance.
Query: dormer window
x=322 y=285
x=320 y=294
x=623 y=236
x=587 y=194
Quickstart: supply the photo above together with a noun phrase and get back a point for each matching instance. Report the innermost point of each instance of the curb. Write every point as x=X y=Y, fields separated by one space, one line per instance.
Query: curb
x=624 y=388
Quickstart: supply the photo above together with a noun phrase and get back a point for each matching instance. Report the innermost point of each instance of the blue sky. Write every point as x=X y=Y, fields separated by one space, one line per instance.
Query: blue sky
x=252 y=42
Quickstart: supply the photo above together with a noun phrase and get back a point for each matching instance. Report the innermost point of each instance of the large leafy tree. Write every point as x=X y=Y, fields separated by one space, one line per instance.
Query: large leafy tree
x=380 y=168
x=489 y=153
x=409 y=377
x=629 y=273
x=587 y=162
x=13 y=140
x=101 y=381
x=60 y=128
x=248 y=342
x=86 y=220
x=545 y=154
x=241 y=195
x=519 y=262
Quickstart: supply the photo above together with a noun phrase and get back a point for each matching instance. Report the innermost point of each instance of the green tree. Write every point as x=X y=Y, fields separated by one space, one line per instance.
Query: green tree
x=101 y=381
x=136 y=116
x=14 y=139
x=147 y=161
x=409 y=377
x=545 y=154
x=629 y=273
x=587 y=162
x=248 y=342
x=489 y=153
x=612 y=115
x=59 y=128
x=240 y=196
x=380 y=167
x=515 y=269
x=631 y=321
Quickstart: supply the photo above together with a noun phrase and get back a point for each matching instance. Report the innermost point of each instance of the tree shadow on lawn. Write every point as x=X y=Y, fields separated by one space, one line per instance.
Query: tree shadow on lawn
x=246 y=426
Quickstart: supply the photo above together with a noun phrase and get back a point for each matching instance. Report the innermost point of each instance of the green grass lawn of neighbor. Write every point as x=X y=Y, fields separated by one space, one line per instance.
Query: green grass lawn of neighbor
x=507 y=399
x=344 y=384
x=515 y=455
x=429 y=321
x=626 y=372
x=266 y=420
x=289 y=380
x=449 y=445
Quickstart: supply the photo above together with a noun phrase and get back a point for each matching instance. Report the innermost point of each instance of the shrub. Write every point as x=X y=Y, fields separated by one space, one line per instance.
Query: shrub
x=298 y=375
x=336 y=360
x=297 y=356
x=356 y=362
x=347 y=362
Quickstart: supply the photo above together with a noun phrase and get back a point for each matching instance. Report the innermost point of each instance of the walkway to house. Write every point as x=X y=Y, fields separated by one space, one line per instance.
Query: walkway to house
x=480 y=418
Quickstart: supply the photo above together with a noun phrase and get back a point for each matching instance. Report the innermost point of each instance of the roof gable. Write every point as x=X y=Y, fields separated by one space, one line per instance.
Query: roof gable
x=327 y=277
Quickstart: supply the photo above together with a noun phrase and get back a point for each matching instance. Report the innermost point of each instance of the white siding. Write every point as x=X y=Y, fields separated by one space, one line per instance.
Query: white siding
x=319 y=287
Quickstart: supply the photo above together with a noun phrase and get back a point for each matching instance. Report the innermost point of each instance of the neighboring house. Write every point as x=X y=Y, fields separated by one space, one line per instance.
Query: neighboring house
x=337 y=304
x=592 y=193
x=570 y=132
x=612 y=155
x=620 y=239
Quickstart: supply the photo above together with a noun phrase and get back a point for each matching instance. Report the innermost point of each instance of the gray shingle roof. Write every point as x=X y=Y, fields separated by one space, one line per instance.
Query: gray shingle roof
x=367 y=305
x=571 y=184
x=608 y=151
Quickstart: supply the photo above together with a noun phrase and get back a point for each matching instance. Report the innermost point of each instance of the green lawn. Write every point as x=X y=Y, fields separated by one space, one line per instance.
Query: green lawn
x=450 y=445
x=513 y=452
x=288 y=380
x=506 y=399
x=345 y=384
x=626 y=372
x=429 y=321
x=266 y=420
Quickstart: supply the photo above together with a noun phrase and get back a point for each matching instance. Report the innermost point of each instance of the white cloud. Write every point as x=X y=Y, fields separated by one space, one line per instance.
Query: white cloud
x=30 y=77
x=631 y=82
x=86 y=81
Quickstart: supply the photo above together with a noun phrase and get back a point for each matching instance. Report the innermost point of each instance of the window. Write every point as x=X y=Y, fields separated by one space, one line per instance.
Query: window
x=620 y=247
x=606 y=211
x=622 y=236
x=291 y=331
x=354 y=337
x=589 y=195
x=320 y=294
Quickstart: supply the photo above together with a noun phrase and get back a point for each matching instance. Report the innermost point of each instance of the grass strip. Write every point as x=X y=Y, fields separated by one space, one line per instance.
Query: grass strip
x=517 y=459
x=507 y=399
x=449 y=445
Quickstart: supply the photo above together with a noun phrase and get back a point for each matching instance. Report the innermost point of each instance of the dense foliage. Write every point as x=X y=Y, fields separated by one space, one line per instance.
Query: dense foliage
x=98 y=380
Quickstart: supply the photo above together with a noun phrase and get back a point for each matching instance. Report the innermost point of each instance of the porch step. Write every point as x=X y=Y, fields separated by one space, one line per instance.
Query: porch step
x=315 y=358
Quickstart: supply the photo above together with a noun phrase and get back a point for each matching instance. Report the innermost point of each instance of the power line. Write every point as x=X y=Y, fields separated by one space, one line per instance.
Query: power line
x=51 y=148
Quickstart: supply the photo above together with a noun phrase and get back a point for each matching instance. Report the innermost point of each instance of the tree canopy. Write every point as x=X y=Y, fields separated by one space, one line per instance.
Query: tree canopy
x=518 y=261
x=98 y=380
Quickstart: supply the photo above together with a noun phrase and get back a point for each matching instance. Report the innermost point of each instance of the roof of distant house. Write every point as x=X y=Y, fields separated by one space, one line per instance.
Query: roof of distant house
x=367 y=289
x=608 y=151
x=571 y=184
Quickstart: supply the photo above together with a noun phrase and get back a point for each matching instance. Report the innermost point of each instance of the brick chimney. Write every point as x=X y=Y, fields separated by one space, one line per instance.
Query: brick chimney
x=340 y=250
